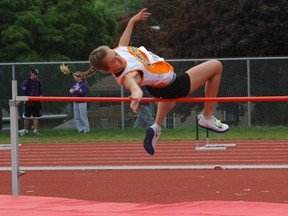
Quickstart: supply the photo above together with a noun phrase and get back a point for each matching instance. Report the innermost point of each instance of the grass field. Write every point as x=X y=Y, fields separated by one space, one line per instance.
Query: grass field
x=179 y=134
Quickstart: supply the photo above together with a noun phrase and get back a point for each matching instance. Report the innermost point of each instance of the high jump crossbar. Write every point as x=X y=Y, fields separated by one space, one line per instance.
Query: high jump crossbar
x=127 y=99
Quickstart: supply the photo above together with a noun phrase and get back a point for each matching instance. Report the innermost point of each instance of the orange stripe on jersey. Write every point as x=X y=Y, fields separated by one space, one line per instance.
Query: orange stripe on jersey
x=160 y=67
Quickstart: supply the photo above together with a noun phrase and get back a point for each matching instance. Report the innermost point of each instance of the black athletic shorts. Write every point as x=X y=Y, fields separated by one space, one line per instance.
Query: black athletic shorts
x=32 y=109
x=179 y=88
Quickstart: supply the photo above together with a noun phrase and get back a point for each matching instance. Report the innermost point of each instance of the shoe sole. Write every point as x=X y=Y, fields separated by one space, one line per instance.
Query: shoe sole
x=148 y=141
x=213 y=129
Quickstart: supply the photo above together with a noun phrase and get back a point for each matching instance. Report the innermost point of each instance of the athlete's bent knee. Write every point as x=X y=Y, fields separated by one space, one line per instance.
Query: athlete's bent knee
x=217 y=65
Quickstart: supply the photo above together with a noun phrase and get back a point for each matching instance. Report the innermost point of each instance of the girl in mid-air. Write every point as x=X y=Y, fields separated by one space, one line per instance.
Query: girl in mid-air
x=133 y=67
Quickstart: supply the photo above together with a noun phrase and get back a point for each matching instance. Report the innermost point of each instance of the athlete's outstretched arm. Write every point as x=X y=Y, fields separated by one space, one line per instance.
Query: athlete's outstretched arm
x=126 y=36
x=130 y=82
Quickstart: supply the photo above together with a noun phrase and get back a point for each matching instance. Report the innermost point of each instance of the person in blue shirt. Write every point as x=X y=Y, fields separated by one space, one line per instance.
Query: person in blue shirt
x=32 y=86
x=80 y=89
x=144 y=116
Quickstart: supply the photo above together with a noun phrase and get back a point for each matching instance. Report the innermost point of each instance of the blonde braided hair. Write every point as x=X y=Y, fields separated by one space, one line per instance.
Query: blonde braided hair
x=83 y=75
x=96 y=61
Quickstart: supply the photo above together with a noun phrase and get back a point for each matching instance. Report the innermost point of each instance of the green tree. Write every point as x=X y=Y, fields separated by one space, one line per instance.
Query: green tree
x=39 y=30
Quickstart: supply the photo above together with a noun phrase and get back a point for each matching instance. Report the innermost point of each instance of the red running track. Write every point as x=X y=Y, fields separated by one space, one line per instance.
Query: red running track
x=246 y=153
x=152 y=185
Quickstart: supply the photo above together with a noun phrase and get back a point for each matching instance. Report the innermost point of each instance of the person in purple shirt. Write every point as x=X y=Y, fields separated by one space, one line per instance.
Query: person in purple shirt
x=32 y=86
x=80 y=89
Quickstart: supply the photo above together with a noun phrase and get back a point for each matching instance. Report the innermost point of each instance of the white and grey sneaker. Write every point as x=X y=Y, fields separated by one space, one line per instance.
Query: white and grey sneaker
x=23 y=132
x=151 y=138
x=213 y=124
x=36 y=132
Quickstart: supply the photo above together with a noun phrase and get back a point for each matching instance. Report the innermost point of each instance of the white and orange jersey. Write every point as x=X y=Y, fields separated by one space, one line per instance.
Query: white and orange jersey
x=156 y=72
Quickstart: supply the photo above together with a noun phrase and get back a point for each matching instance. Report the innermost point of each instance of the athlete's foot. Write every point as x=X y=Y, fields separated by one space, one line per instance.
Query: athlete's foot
x=152 y=136
x=213 y=124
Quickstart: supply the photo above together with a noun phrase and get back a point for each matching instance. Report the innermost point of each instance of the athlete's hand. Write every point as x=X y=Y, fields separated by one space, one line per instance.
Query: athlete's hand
x=142 y=15
x=135 y=97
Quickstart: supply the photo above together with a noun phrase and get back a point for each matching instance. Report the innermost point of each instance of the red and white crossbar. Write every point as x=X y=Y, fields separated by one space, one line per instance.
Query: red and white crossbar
x=127 y=99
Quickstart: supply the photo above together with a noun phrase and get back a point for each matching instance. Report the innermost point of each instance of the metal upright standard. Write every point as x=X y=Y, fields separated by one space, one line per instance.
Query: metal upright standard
x=16 y=173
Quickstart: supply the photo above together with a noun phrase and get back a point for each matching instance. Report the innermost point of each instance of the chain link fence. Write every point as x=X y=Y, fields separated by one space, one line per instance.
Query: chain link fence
x=241 y=77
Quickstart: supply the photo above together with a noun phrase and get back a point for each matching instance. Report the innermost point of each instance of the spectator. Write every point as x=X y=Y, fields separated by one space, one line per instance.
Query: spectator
x=80 y=89
x=32 y=86
x=144 y=116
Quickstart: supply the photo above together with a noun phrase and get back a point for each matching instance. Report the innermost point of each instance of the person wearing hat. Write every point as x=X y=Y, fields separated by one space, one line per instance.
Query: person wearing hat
x=32 y=86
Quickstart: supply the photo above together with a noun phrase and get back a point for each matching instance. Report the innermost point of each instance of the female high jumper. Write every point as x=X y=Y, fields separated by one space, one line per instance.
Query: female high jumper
x=133 y=67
